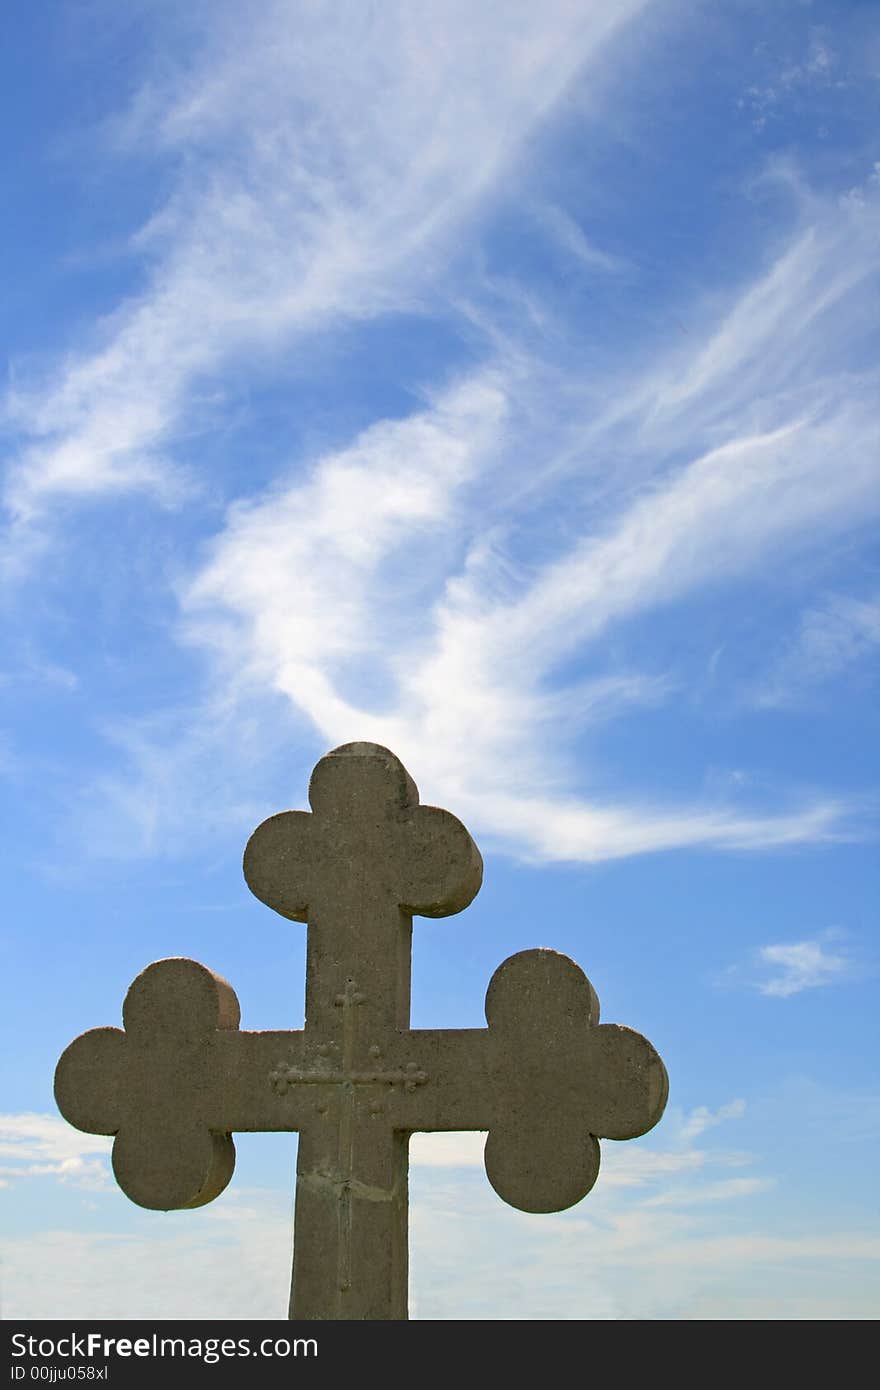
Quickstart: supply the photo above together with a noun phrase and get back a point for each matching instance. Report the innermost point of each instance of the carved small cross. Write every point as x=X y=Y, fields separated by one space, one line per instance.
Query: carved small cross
x=544 y=1078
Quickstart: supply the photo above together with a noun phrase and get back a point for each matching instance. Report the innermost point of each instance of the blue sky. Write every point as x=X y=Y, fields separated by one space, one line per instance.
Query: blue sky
x=499 y=384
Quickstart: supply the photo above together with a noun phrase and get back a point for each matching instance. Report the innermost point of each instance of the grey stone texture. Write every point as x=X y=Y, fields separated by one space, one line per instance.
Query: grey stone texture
x=545 y=1078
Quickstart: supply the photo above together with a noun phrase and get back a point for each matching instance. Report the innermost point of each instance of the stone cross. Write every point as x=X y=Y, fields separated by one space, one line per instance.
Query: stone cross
x=544 y=1078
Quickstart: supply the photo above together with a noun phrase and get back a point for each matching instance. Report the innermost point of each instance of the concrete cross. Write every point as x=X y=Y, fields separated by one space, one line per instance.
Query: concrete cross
x=544 y=1078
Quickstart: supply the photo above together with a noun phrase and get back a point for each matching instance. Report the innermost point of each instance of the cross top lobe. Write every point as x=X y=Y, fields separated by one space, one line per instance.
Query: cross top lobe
x=367 y=822
x=545 y=1078
x=356 y=868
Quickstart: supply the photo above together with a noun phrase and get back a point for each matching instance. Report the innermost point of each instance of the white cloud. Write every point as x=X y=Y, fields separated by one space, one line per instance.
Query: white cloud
x=167 y=1267
x=183 y=1258
x=471 y=681
x=401 y=588
x=782 y=969
x=461 y=652
x=567 y=234
x=726 y=1191
x=36 y=1145
x=835 y=636
x=800 y=965
x=756 y=1248
x=701 y=1119
x=291 y=214
x=301 y=566
x=640 y=1245
x=818 y=68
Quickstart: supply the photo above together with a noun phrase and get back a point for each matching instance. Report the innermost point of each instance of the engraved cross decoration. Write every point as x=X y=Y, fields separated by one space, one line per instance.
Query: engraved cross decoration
x=544 y=1078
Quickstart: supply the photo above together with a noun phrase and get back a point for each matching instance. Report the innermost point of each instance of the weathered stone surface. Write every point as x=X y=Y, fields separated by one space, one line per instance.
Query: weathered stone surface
x=159 y=1086
x=545 y=1078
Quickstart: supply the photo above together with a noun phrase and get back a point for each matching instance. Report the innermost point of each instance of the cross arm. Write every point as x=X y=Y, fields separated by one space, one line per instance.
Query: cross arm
x=173 y=1085
x=545 y=1079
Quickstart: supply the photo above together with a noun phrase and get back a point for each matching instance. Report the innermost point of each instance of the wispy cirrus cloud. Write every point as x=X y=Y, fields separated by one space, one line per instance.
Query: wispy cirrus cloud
x=783 y=969
x=799 y=965
x=702 y=1118
x=467 y=658
x=835 y=637
x=325 y=155
x=432 y=583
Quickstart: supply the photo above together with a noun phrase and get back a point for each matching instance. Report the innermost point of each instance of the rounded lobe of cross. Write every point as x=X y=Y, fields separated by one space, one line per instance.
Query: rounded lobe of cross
x=154 y=1087
x=367 y=840
x=562 y=1079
